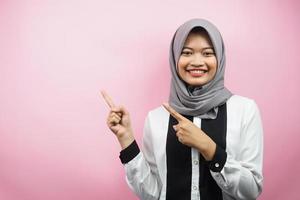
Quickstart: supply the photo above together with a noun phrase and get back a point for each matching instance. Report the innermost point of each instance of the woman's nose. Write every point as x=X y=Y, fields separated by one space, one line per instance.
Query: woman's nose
x=197 y=60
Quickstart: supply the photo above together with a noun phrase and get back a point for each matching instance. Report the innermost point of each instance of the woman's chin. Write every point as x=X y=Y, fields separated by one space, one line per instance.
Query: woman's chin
x=196 y=83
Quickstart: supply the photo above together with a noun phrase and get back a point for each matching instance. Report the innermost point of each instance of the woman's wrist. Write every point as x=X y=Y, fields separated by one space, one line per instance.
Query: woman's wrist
x=125 y=140
x=208 y=150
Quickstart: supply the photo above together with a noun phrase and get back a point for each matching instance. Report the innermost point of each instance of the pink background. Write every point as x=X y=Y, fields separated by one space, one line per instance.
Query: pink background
x=56 y=56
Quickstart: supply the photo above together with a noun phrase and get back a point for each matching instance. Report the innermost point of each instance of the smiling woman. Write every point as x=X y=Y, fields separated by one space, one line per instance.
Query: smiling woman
x=206 y=143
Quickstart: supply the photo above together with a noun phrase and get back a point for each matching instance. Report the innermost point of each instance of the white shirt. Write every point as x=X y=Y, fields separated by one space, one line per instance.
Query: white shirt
x=239 y=178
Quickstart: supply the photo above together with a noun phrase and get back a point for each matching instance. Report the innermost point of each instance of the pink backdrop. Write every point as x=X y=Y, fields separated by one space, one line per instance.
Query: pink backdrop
x=56 y=56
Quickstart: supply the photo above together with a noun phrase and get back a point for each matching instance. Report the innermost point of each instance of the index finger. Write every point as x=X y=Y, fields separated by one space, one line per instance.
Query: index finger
x=173 y=112
x=107 y=99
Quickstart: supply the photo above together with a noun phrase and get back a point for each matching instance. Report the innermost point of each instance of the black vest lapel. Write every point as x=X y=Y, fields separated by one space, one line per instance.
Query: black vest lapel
x=179 y=167
x=216 y=130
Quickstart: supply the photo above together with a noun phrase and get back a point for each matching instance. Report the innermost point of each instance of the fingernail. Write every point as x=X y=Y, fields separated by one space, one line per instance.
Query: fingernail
x=174 y=127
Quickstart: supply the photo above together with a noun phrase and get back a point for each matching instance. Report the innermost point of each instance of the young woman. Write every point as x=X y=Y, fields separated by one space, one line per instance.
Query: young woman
x=206 y=143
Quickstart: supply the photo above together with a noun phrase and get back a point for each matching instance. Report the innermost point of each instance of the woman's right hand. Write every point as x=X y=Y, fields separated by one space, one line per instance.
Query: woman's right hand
x=118 y=121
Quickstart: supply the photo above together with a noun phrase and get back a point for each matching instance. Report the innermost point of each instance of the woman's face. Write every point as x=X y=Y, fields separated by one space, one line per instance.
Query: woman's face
x=197 y=63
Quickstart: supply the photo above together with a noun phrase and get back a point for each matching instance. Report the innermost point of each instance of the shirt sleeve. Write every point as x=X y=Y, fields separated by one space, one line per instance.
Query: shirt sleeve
x=140 y=167
x=218 y=161
x=241 y=176
x=129 y=153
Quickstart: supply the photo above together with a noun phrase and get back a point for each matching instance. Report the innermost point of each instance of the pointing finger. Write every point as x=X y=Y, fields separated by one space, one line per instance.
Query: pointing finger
x=173 y=112
x=107 y=99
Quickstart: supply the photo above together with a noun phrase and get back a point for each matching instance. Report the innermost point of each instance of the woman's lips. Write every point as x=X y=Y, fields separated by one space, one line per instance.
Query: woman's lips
x=197 y=73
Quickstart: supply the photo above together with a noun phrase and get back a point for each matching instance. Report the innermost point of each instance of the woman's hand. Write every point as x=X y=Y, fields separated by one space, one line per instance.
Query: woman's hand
x=118 y=121
x=189 y=134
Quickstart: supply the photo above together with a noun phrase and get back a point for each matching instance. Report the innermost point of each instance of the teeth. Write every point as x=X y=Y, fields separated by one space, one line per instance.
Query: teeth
x=197 y=71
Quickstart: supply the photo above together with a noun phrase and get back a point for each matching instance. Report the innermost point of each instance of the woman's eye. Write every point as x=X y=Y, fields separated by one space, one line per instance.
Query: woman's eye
x=186 y=53
x=208 y=53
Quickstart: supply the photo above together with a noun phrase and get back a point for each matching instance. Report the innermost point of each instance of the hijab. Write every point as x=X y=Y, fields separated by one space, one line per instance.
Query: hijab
x=201 y=101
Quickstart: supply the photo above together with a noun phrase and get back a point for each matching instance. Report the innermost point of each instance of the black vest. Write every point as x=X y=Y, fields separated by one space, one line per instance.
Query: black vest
x=179 y=164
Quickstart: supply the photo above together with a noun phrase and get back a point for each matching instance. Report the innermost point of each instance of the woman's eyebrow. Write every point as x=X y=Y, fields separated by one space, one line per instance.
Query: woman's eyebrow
x=201 y=48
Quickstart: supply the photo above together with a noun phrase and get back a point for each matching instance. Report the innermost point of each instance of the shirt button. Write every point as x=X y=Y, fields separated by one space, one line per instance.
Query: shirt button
x=195 y=187
x=217 y=165
x=196 y=162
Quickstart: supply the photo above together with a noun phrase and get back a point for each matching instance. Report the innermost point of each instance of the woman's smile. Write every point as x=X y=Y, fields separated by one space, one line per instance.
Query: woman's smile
x=197 y=72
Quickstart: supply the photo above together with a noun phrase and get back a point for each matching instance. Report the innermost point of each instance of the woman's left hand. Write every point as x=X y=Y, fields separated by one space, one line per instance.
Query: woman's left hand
x=189 y=134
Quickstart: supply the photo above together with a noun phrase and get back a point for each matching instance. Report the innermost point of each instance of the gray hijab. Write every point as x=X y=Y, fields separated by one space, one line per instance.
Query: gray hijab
x=202 y=101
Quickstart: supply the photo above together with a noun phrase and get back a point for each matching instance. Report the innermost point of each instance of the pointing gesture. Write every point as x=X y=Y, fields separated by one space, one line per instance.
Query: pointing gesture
x=118 y=121
x=189 y=134
x=108 y=100
x=173 y=112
